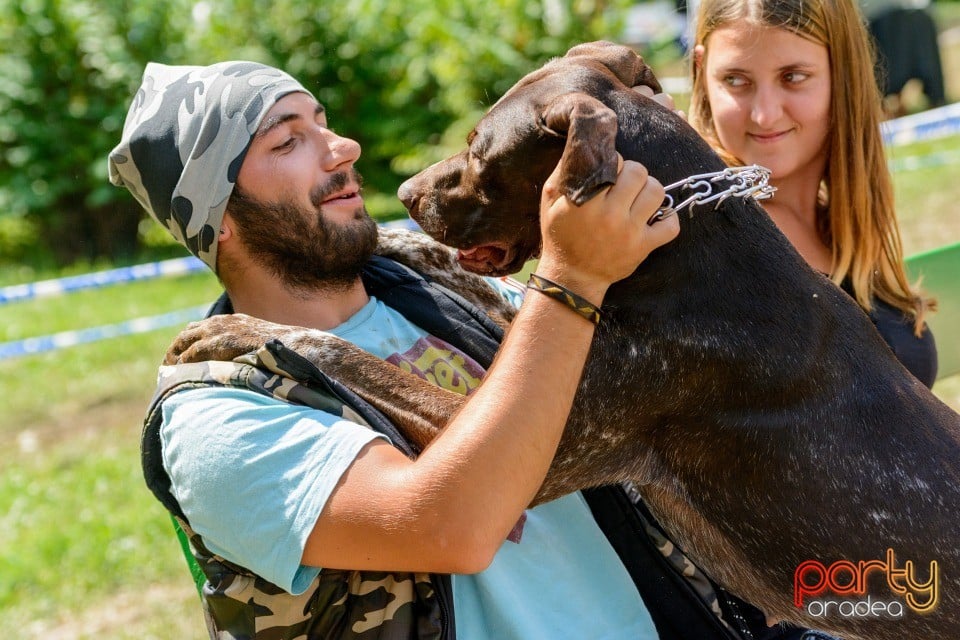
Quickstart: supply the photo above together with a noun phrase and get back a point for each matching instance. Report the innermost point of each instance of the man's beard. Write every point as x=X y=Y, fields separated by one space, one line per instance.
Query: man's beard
x=301 y=246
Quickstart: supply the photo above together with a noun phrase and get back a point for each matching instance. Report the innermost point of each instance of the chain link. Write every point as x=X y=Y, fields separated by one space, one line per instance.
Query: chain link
x=749 y=181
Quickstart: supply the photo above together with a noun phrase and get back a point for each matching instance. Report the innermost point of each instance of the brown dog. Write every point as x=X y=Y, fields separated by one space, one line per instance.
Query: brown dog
x=763 y=418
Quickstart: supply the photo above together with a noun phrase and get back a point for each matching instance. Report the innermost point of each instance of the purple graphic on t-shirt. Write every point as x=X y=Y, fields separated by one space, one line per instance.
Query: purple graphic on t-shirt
x=441 y=364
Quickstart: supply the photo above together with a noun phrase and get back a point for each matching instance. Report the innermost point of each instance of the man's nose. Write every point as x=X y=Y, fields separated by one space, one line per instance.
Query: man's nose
x=340 y=151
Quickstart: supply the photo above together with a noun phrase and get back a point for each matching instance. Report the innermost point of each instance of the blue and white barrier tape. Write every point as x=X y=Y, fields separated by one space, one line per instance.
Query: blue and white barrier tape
x=926 y=125
x=44 y=288
x=60 y=286
x=40 y=344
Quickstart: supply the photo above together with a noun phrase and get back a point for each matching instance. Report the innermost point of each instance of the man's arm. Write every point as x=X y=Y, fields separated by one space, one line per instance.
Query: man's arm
x=450 y=509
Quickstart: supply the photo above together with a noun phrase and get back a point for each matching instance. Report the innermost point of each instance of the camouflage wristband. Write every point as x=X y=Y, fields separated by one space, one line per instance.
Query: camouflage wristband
x=580 y=305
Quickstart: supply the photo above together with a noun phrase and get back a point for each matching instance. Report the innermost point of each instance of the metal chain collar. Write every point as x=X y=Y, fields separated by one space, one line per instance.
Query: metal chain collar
x=750 y=181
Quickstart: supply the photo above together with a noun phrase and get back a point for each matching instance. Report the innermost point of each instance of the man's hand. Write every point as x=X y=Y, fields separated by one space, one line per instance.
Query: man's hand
x=589 y=247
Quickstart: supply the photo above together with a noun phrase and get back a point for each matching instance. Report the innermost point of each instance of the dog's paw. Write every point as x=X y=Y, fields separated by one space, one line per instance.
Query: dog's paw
x=222 y=337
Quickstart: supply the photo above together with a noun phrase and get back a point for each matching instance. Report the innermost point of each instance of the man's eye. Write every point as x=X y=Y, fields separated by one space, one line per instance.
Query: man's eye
x=285 y=145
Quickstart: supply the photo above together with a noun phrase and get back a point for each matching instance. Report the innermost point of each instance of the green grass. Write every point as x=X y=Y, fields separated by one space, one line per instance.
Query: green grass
x=81 y=532
x=926 y=198
x=106 y=305
x=77 y=513
x=53 y=391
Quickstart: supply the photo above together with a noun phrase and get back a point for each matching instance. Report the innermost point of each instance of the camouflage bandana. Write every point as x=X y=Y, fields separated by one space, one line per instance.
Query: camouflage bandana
x=184 y=139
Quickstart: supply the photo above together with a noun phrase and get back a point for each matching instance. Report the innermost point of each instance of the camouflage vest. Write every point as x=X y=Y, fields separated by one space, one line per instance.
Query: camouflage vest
x=239 y=604
x=376 y=605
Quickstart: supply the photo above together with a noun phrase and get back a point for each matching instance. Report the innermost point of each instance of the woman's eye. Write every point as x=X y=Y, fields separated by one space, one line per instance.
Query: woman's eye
x=735 y=81
x=794 y=77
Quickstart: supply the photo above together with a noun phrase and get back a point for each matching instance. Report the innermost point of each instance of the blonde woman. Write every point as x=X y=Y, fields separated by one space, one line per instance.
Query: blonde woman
x=789 y=85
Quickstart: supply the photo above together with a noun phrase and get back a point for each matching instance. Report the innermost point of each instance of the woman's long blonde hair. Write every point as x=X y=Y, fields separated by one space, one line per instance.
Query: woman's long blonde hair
x=858 y=222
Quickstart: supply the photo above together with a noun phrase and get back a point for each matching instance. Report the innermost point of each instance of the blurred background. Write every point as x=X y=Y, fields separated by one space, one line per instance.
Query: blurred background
x=88 y=552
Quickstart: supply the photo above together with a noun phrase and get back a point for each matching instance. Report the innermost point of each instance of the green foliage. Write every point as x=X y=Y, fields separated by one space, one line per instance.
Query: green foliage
x=17 y=236
x=406 y=79
x=66 y=71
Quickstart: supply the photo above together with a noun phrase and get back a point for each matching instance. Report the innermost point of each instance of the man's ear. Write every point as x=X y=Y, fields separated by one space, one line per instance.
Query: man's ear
x=226 y=228
x=589 y=161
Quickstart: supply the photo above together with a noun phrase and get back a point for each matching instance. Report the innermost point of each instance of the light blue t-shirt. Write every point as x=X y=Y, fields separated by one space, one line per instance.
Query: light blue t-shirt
x=224 y=449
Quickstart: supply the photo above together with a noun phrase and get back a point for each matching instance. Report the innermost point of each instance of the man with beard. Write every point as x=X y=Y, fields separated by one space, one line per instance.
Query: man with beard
x=304 y=520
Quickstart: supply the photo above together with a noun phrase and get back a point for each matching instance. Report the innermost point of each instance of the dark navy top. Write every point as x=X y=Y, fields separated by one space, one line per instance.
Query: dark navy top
x=918 y=355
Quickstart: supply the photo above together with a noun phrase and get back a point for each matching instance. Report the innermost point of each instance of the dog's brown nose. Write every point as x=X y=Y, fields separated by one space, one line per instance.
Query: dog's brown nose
x=408 y=195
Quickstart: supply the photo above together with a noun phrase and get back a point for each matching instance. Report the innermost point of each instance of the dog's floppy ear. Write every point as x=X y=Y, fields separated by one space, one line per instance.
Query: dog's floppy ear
x=623 y=61
x=589 y=161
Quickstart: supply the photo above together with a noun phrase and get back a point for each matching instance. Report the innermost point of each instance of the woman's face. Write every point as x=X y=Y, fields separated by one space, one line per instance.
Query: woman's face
x=769 y=92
